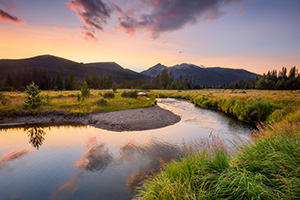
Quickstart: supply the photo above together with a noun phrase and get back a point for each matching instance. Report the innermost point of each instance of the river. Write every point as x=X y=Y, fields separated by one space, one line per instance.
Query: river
x=83 y=162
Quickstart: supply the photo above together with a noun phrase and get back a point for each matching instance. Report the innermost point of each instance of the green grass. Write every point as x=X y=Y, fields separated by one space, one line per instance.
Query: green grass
x=248 y=106
x=266 y=168
x=66 y=102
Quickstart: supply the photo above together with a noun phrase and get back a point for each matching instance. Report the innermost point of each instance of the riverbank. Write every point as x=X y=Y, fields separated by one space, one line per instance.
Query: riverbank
x=125 y=120
x=266 y=168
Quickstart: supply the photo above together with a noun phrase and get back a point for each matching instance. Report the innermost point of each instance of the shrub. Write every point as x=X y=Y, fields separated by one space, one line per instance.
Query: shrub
x=34 y=99
x=131 y=94
x=4 y=101
x=101 y=102
x=109 y=95
x=78 y=97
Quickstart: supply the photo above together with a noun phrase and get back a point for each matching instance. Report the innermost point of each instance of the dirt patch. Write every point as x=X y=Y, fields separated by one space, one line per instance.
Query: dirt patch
x=127 y=120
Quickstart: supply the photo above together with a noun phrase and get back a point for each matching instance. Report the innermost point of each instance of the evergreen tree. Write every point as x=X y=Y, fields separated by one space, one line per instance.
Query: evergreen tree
x=104 y=83
x=58 y=82
x=164 y=78
x=45 y=82
x=68 y=85
x=85 y=91
x=101 y=84
x=180 y=78
x=8 y=81
x=52 y=83
x=171 y=77
x=109 y=82
x=87 y=80
x=114 y=87
x=33 y=97
x=95 y=81
x=73 y=83
x=293 y=72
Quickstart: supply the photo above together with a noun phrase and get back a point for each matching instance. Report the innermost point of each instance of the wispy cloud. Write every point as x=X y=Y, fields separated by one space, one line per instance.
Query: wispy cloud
x=94 y=14
x=155 y=16
x=7 y=17
x=171 y=15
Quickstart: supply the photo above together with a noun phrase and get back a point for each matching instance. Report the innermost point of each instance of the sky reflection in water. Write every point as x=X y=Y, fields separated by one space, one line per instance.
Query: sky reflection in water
x=82 y=162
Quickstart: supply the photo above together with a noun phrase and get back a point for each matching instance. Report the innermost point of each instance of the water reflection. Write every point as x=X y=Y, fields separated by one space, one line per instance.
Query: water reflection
x=12 y=156
x=36 y=136
x=82 y=162
x=149 y=158
x=96 y=158
x=66 y=190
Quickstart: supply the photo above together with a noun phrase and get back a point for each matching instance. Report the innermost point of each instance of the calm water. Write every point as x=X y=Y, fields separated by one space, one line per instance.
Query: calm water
x=82 y=162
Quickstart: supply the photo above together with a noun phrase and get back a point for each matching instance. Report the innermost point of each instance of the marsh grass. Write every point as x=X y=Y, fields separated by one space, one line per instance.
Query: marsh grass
x=66 y=102
x=266 y=168
x=251 y=106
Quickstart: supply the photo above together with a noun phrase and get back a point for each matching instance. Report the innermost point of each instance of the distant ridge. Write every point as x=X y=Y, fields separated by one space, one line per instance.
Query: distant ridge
x=55 y=64
x=211 y=76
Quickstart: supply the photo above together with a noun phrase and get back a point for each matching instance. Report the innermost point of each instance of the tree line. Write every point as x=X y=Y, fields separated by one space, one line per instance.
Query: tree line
x=273 y=80
x=164 y=80
x=19 y=81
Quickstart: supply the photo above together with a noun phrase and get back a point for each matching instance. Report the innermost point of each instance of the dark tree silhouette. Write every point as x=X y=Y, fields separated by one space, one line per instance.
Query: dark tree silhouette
x=36 y=136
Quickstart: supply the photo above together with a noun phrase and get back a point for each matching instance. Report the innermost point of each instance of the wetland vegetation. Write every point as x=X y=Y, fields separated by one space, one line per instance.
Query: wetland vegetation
x=266 y=168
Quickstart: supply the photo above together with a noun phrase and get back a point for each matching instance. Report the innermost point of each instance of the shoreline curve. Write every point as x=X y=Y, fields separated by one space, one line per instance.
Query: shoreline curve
x=126 y=120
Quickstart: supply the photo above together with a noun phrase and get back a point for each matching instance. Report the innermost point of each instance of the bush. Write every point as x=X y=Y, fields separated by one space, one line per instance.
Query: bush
x=4 y=101
x=34 y=99
x=109 y=95
x=101 y=102
x=78 y=97
x=131 y=94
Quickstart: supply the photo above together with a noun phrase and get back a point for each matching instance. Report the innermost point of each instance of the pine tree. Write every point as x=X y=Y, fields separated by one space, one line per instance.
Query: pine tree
x=114 y=87
x=8 y=81
x=45 y=82
x=33 y=97
x=164 y=78
x=58 y=82
x=73 y=82
x=109 y=82
x=85 y=91
x=94 y=81
x=68 y=85
x=87 y=80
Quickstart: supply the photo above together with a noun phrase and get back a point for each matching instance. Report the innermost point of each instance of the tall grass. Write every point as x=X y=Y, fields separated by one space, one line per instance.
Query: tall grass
x=266 y=168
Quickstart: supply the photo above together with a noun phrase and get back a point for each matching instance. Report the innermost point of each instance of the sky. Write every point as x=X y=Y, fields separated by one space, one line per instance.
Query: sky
x=256 y=35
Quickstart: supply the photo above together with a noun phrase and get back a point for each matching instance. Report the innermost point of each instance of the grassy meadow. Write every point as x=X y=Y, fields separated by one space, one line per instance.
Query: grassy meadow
x=66 y=102
x=266 y=168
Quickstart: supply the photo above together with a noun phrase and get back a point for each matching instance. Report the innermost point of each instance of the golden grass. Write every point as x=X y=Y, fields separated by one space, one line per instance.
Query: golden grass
x=66 y=102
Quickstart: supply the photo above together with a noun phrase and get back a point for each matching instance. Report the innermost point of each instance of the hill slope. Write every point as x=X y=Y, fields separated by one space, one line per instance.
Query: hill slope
x=55 y=64
x=213 y=76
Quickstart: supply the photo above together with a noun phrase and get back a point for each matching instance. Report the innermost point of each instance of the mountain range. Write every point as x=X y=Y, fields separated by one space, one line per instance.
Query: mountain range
x=211 y=76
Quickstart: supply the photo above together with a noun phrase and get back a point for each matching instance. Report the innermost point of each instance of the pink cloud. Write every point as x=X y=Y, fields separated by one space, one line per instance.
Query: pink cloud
x=240 y=12
x=11 y=156
x=7 y=17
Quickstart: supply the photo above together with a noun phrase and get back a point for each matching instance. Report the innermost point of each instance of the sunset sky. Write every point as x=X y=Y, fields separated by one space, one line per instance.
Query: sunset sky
x=257 y=35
